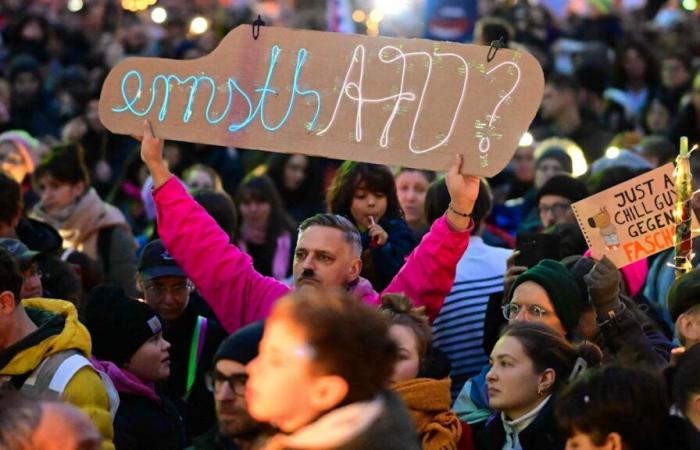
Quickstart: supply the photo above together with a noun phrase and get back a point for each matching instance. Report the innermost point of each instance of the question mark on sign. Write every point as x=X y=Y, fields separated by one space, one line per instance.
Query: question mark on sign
x=485 y=137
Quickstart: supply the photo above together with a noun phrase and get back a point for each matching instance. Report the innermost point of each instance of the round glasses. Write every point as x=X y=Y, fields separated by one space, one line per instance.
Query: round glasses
x=511 y=311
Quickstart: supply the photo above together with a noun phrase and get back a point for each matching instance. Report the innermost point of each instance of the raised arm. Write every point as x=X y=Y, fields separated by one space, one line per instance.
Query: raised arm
x=429 y=272
x=224 y=275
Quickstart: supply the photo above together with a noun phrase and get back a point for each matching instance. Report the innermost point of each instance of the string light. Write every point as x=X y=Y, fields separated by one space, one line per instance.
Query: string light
x=75 y=5
x=137 y=5
x=159 y=15
x=199 y=25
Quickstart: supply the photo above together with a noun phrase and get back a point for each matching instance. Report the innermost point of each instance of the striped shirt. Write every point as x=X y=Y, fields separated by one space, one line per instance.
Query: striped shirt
x=459 y=328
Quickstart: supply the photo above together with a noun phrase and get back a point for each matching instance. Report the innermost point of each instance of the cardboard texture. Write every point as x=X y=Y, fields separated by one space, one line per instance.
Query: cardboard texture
x=632 y=220
x=409 y=102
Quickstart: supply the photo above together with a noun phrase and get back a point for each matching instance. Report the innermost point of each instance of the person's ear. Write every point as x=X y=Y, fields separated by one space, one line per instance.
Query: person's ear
x=139 y=283
x=688 y=327
x=328 y=392
x=613 y=442
x=547 y=380
x=695 y=404
x=7 y=303
x=354 y=269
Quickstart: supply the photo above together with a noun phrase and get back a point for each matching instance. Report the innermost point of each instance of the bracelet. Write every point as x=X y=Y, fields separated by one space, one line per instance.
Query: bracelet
x=460 y=214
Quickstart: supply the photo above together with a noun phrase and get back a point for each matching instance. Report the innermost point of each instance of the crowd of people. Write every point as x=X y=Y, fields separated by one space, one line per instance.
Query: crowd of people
x=164 y=295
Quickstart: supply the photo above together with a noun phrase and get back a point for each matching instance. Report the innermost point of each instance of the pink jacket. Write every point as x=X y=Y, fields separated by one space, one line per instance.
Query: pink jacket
x=239 y=295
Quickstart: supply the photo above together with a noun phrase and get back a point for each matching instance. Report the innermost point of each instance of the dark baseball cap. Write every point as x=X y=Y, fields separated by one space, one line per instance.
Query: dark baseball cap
x=20 y=252
x=156 y=262
x=683 y=294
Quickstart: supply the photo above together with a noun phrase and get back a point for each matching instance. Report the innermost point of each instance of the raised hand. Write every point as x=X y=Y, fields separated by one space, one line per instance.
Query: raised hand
x=463 y=191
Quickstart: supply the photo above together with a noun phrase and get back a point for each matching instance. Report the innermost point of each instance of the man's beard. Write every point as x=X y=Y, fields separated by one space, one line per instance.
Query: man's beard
x=243 y=427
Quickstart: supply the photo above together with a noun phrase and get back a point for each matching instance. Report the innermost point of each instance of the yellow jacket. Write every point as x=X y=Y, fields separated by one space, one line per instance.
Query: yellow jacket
x=85 y=390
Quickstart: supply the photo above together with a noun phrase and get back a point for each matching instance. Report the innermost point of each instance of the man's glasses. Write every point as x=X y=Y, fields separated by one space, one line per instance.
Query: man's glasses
x=556 y=209
x=511 y=311
x=215 y=380
x=177 y=291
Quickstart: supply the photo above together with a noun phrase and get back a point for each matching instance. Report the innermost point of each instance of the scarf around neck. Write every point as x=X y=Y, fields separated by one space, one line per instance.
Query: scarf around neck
x=428 y=401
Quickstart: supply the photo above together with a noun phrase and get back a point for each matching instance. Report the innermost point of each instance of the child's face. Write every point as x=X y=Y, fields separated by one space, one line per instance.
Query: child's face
x=366 y=204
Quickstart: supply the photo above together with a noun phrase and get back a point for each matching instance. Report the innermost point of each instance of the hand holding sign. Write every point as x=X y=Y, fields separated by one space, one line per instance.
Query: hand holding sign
x=383 y=100
x=152 y=155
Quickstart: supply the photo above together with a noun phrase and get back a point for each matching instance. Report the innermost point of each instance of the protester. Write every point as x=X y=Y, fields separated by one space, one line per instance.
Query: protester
x=685 y=391
x=615 y=407
x=411 y=189
x=194 y=335
x=320 y=376
x=427 y=397
x=200 y=176
x=530 y=364
x=555 y=197
x=26 y=259
x=129 y=348
x=227 y=381
x=327 y=252
x=366 y=195
x=299 y=181
x=266 y=231
x=85 y=222
x=27 y=423
x=459 y=328
x=16 y=158
x=683 y=300
x=40 y=337
x=221 y=208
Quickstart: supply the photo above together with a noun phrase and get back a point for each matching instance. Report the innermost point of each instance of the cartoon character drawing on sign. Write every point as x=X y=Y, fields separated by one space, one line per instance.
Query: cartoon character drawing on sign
x=608 y=231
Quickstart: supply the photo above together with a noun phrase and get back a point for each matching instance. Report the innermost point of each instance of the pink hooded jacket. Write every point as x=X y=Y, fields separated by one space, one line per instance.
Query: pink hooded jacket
x=239 y=295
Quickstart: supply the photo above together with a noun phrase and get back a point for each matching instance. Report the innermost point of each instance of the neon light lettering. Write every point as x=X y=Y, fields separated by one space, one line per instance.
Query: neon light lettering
x=232 y=87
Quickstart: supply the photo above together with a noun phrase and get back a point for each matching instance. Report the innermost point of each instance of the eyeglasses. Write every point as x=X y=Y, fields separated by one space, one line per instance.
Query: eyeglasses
x=214 y=380
x=511 y=311
x=177 y=291
x=555 y=209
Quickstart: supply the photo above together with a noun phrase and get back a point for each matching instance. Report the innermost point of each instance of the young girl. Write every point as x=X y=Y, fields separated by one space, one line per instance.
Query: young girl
x=530 y=364
x=128 y=345
x=412 y=188
x=266 y=232
x=366 y=194
x=321 y=375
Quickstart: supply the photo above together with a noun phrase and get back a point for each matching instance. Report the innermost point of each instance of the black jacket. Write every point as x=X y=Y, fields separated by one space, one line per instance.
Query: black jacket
x=198 y=410
x=144 y=424
x=541 y=434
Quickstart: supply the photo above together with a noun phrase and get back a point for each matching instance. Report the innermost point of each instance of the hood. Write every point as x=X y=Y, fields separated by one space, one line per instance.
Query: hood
x=333 y=429
x=73 y=336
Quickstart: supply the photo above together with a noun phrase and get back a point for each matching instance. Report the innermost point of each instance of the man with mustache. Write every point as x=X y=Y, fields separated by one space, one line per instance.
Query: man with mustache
x=327 y=253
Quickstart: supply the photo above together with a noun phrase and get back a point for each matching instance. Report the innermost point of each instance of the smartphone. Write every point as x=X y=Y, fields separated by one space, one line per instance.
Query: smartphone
x=534 y=247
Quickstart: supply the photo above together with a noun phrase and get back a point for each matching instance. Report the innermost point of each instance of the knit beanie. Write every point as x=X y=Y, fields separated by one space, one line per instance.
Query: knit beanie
x=562 y=289
x=118 y=324
x=683 y=294
x=559 y=154
x=241 y=346
x=565 y=186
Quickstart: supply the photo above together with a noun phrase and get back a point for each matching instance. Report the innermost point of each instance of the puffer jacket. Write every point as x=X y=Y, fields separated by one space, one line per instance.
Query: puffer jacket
x=59 y=330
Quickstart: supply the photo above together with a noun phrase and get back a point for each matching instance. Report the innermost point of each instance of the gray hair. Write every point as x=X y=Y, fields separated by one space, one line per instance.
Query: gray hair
x=19 y=418
x=350 y=232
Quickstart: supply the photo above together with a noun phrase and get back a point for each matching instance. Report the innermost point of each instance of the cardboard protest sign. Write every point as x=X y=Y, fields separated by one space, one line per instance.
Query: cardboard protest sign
x=393 y=101
x=632 y=220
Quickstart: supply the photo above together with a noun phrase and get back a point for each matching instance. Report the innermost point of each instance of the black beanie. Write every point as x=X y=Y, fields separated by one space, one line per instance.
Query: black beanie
x=565 y=186
x=562 y=290
x=683 y=294
x=118 y=324
x=241 y=346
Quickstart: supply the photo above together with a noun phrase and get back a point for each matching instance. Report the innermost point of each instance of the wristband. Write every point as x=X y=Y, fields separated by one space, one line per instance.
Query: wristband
x=460 y=214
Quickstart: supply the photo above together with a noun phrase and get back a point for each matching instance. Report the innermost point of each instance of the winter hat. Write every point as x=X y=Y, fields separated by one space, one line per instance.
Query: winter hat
x=684 y=294
x=565 y=186
x=118 y=324
x=19 y=252
x=26 y=145
x=558 y=153
x=241 y=346
x=562 y=289
x=156 y=262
